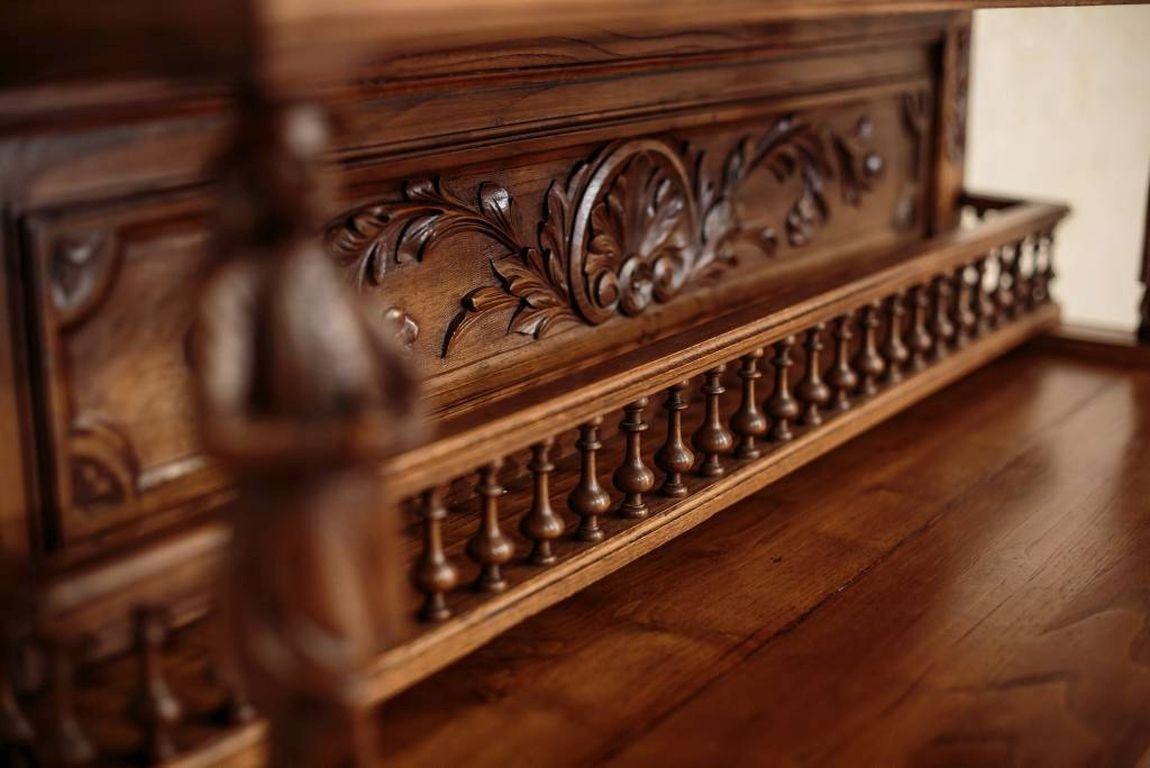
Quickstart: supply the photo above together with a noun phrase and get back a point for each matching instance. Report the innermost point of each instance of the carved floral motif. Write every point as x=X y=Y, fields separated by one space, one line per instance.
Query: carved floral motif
x=80 y=269
x=956 y=109
x=633 y=225
x=916 y=107
x=102 y=463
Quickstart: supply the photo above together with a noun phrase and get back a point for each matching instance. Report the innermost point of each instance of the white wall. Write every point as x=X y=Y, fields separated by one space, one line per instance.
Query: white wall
x=1060 y=109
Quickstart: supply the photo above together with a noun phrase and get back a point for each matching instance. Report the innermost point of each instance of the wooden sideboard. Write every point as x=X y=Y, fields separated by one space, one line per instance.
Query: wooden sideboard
x=412 y=322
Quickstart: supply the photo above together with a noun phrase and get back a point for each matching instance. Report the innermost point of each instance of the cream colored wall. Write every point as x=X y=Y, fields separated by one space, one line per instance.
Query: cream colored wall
x=1060 y=109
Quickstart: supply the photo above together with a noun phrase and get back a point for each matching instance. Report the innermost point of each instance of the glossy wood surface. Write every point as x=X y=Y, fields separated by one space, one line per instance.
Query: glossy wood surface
x=976 y=600
x=306 y=42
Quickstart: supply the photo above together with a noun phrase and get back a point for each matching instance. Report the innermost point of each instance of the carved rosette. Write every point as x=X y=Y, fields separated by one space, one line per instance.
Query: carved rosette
x=633 y=237
x=633 y=226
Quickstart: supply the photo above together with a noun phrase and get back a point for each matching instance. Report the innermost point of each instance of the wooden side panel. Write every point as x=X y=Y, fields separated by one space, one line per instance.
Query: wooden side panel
x=16 y=461
x=115 y=298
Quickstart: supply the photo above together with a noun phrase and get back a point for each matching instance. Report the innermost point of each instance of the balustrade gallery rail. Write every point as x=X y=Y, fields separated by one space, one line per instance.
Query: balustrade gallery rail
x=510 y=515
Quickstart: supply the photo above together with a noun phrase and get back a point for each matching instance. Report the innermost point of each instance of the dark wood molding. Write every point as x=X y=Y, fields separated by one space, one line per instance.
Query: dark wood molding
x=1144 y=307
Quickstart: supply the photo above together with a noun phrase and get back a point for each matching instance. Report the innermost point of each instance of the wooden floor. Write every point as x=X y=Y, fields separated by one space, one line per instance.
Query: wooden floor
x=968 y=585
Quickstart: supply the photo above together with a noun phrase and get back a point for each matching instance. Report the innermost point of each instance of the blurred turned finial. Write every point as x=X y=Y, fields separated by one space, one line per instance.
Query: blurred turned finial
x=301 y=394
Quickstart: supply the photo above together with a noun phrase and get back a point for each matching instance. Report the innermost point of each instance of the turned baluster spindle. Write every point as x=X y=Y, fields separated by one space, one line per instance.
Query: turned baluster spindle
x=1043 y=270
x=712 y=439
x=1046 y=273
x=489 y=547
x=963 y=319
x=812 y=391
x=1004 y=293
x=841 y=377
x=981 y=304
x=868 y=363
x=154 y=707
x=894 y=349
x=542 y=524
x=782 y=406
x=237 y=707
x=941 y=327
x=919 y=339
x=67 y=741
x=588 y=499
x=674 y=458
x=1019 y=284
x=434 y=574
x=1039 y=286
x=16 y=731
x=748 y=422
x=633 y=477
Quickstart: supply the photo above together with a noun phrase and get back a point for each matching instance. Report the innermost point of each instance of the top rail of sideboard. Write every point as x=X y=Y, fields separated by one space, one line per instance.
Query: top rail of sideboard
x=299 y=44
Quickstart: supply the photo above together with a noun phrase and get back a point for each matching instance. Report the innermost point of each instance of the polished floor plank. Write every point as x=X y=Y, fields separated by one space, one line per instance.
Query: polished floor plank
x=703 y=651
x=1011 y=631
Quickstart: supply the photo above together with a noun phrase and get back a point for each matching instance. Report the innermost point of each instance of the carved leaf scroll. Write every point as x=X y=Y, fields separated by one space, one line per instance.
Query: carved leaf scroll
x=373 y=238
x=633 y=225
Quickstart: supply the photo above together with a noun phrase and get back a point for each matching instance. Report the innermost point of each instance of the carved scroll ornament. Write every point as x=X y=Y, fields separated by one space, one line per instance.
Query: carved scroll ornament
x=631 y=226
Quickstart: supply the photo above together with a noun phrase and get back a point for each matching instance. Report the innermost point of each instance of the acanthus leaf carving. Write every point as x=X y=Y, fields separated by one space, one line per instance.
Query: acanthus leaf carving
x=631 y=226
x=372 y=238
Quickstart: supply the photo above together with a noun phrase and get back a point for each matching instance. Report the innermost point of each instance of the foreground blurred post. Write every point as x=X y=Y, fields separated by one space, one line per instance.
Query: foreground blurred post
x=300 y=395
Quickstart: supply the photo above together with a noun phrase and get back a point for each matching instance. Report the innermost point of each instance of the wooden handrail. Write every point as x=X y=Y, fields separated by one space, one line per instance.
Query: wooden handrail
x=464 y=441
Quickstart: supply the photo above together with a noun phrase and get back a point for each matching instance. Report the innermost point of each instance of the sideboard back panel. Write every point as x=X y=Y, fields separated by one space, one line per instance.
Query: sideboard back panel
x=567 y=201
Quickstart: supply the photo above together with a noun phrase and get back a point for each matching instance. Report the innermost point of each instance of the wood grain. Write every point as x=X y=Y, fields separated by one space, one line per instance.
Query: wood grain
x=400 y=667
x=965 y=602
x=305 y=42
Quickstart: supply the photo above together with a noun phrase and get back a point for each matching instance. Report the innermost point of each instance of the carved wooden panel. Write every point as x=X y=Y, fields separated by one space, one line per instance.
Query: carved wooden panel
x=122 y=442
x=575 y=199
x=484 y=272
x=574 y=247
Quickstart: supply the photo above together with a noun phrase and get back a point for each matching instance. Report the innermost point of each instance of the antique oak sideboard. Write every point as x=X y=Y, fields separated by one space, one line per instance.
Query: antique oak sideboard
x=341 y=337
